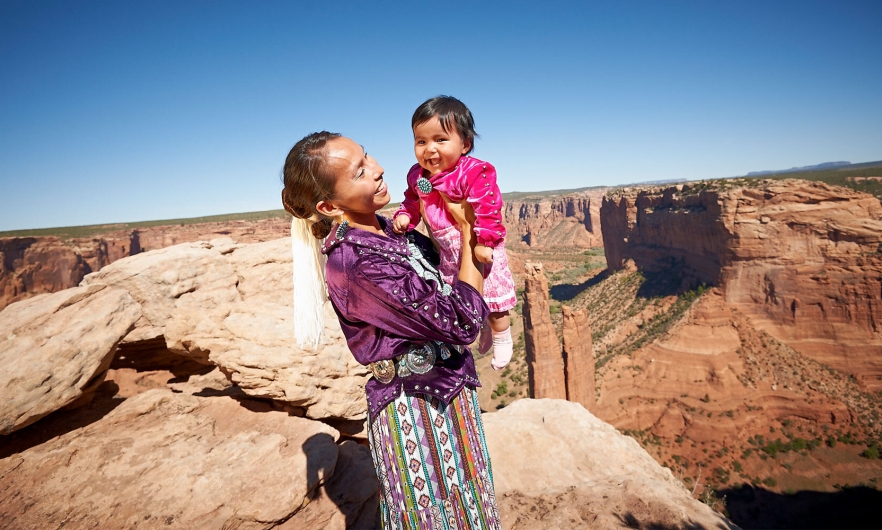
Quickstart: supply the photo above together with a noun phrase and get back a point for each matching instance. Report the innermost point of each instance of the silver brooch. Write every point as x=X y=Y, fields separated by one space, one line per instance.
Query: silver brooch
x=420 y=360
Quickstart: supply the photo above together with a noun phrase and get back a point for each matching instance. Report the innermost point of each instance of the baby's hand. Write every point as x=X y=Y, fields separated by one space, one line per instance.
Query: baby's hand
x=400 y=224
x=484 y=254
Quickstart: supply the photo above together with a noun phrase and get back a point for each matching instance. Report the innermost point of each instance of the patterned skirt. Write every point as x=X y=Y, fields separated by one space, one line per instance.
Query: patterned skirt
x=432 y=462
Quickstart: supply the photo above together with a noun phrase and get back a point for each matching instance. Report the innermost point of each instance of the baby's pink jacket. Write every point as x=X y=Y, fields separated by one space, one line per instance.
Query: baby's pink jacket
x=470 y=179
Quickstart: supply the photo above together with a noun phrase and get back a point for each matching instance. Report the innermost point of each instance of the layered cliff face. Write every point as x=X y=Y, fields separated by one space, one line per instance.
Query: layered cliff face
x=569 y=220
x=801 y=259
x=545 y=365
x=30 y=265
x=37 y=265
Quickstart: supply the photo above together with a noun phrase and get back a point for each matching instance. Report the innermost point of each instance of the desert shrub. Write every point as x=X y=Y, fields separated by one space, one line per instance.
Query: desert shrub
x=871 y=452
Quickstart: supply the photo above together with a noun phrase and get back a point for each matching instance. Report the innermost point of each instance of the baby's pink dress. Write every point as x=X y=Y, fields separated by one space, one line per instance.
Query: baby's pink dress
x=475 y=181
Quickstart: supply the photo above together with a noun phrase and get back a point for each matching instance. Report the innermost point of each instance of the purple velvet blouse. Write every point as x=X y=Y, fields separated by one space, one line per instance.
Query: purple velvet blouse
x=380 y=292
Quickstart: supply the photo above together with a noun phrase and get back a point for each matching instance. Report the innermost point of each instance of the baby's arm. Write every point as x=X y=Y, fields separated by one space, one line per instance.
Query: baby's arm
x=409 y=211
x=484 y=196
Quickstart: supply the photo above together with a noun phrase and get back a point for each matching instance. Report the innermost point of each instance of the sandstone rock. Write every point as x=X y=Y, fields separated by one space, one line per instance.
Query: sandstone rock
x=254 y=345
x=578 y=357
x=164 y=460
x=56 y=348
x=30 y=266
x=710 y=381
x=46 y=264
x=234 y=310
x=571 y=220
x=350 y=499
x=545 y=367
x=800 y=258
x=254 y=342
x=582 y=472
x=179 y=288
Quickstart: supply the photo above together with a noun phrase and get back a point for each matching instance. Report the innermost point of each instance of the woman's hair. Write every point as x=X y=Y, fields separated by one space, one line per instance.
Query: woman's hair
x=308 y=180
x=451 y=112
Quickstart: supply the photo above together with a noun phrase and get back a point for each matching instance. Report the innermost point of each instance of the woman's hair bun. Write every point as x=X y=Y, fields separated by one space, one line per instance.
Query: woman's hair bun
x=322 y=227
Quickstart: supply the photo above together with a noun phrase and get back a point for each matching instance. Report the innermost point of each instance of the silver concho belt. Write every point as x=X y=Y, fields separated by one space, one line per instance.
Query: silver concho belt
x=419 y=359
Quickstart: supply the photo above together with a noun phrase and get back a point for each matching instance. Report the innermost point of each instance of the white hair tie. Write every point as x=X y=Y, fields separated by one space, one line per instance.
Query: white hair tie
x=310 y=291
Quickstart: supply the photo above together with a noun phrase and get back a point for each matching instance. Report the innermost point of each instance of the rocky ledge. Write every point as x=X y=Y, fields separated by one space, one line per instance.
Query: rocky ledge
x=259 y=434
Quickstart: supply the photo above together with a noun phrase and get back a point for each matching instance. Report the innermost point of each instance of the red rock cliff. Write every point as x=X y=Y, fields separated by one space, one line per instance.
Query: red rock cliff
x=802 y=259
x=570 y=220
x=545 y=365
x=37 y=265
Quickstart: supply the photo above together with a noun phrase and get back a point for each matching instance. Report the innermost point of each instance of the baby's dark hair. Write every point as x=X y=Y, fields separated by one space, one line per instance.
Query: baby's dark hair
x=307 y=180
x=451 y=112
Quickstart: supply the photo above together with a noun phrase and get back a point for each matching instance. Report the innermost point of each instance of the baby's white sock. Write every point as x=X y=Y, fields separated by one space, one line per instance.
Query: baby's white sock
x=502 y=348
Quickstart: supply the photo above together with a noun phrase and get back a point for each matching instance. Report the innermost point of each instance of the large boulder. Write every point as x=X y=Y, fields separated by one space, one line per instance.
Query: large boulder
x=56 y=348
x=179 y=288
x=581 y=472
x=232 y=306
x=166 y=460
x=254 y=344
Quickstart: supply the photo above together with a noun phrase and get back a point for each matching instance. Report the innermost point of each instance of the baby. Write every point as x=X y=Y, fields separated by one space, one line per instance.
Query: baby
x=443 y=136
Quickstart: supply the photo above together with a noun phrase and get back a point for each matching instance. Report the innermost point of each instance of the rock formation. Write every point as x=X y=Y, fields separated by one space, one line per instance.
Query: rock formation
x=164 y=460
x=710 y=363
x=578 y=357
x=206 y=450
x=568 y=220
x=55 y=350
x=47 y=264
x=802 y=259
x=582 y=473
x=230 y=305
x=544 y=361
x=30 y=265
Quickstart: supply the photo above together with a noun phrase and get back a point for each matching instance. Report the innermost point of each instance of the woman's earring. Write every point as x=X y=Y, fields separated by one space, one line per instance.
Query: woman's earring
x=342 y=228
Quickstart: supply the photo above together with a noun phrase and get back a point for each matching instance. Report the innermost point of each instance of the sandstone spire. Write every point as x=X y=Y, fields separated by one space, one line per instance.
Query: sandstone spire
x=578 y=357
x=544 y=361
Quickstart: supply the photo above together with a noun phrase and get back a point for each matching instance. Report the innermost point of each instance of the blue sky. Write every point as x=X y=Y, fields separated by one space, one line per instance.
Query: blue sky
x=128 y=111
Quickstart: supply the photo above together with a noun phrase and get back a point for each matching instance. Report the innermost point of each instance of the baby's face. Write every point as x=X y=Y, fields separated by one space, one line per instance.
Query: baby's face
x=437 y=150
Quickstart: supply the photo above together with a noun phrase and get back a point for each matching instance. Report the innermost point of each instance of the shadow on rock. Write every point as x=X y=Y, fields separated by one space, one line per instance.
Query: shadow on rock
x=565 y=292
x=630 y=521
x=350 y=485
x=849 y=508
x=62 y=421
x=152 y=355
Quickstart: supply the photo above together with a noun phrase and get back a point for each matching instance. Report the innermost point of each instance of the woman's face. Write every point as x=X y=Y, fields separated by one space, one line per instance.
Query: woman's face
x=359 y=186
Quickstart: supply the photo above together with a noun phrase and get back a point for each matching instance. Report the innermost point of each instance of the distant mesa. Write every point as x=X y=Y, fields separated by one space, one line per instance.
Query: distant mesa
x=825 y=165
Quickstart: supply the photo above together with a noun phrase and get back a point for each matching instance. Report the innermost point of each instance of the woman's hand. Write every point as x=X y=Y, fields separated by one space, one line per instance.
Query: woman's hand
x=462 y=212
x=471 y=270
x=484 y=254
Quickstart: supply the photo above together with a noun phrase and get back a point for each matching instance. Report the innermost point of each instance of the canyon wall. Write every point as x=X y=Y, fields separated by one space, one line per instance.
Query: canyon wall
x=567 y=220
x=47 y=264
x=802 y=259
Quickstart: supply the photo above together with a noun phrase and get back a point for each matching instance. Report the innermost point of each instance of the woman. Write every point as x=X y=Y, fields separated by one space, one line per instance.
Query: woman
x=411 y=328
